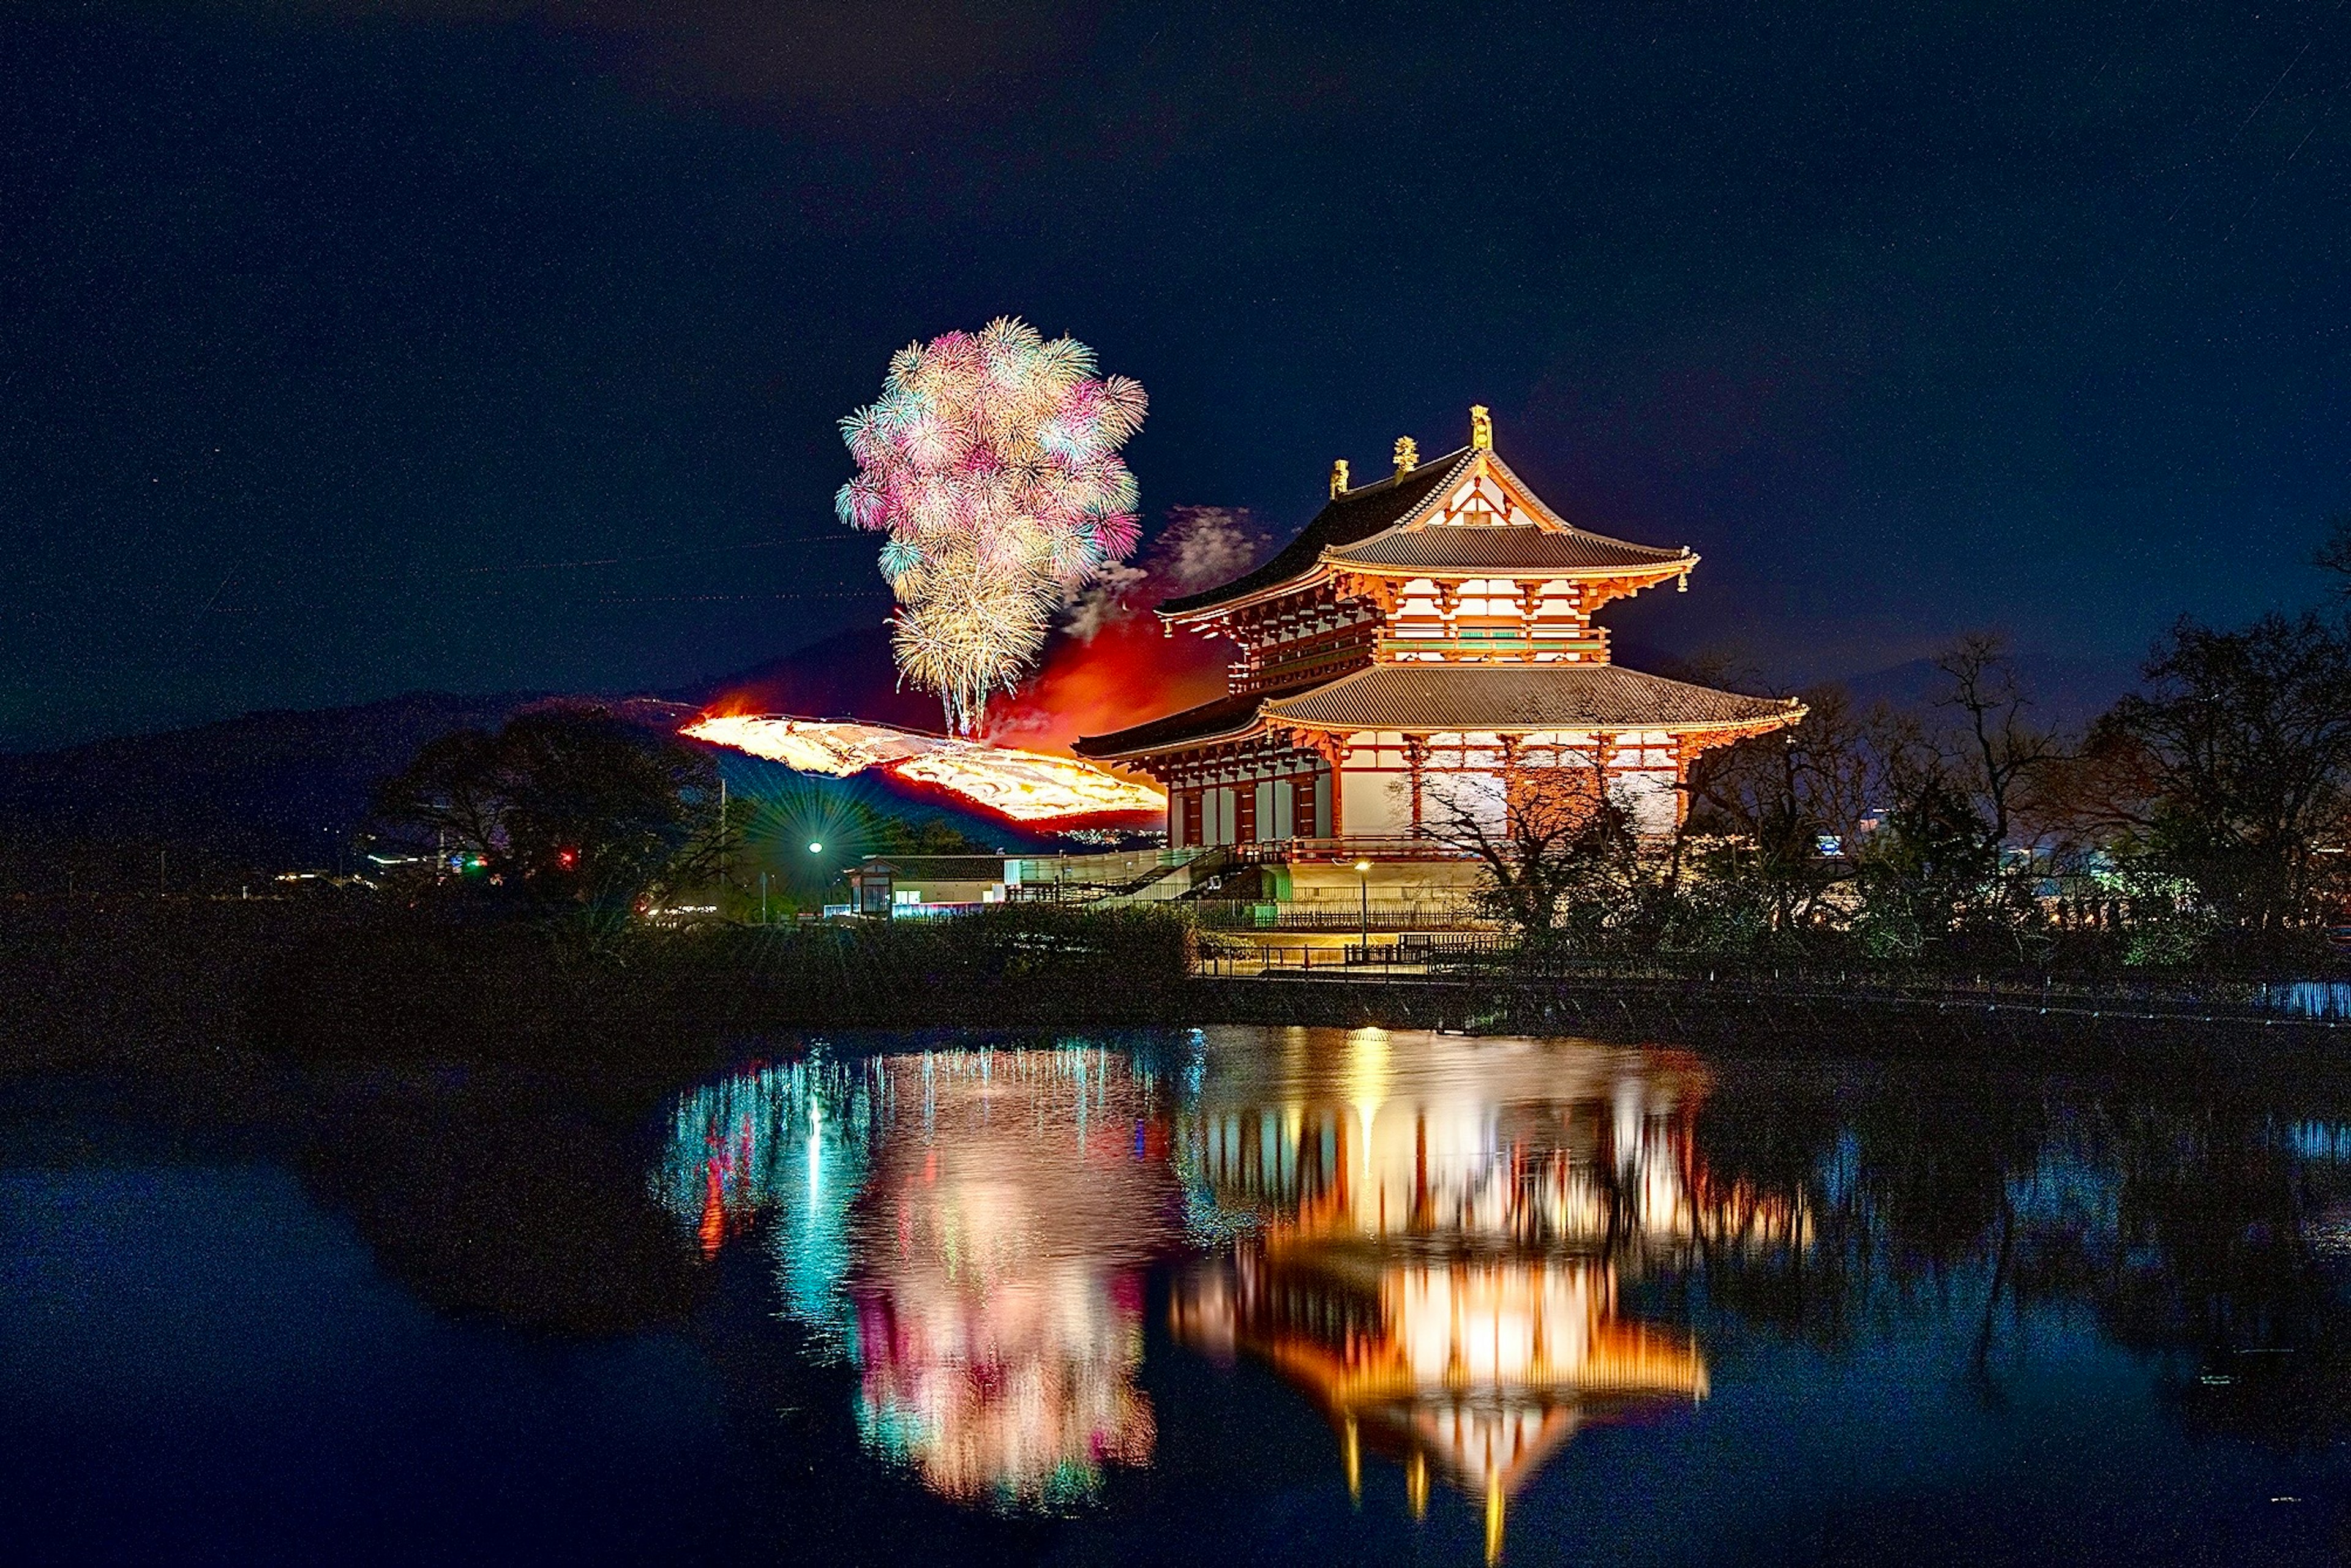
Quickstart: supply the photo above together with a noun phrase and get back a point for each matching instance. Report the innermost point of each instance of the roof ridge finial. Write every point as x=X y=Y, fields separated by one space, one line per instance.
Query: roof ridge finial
x=1338 y=478
x=1481 y=428
x=1407 y=454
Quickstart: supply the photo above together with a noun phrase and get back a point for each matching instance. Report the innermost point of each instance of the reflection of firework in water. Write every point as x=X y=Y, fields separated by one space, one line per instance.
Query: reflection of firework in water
x=991 y=461
x=1427 y=1236
x=972 y=1229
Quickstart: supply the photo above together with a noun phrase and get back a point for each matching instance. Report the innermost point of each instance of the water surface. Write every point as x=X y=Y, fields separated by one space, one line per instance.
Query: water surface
x=1236 y=1294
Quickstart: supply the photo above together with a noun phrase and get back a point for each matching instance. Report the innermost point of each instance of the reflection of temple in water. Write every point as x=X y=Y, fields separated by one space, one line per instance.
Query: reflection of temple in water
x=1440 y=1228
x=971 y=1228
x=1434 y=1238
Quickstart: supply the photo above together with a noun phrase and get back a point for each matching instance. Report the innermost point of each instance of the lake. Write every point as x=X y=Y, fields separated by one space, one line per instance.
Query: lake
x=1181 y=1296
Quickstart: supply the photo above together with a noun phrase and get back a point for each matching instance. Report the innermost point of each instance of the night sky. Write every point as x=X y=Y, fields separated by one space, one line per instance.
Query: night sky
x=352 y=348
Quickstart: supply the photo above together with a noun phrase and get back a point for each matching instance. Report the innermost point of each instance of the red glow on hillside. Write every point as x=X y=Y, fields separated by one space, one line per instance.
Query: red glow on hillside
x=1112 y=666
x=850 y=674
x=1127 y=672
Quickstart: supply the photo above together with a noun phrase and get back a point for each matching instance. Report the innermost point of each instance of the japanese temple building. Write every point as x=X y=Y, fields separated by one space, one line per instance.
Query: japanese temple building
x=1431 y=630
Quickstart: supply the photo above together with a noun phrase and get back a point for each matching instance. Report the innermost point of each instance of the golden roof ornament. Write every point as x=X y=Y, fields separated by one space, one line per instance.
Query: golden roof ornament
x=1407 y=454
x=1481 y=428
x=1338 y=478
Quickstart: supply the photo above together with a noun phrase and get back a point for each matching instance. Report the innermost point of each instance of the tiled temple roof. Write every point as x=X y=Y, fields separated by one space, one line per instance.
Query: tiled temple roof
x=1424 y=699
x=1384 y=525
x=1194 y=726
x=1357 y=515
x=1516 y=547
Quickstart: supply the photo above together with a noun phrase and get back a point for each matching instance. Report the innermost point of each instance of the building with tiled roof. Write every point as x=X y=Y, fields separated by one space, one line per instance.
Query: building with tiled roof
x=1438 y=622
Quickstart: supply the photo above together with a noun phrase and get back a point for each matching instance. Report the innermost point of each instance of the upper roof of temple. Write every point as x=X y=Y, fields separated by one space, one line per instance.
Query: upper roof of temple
x=1510 y=547
x=1352 y=517
x=1414 y=520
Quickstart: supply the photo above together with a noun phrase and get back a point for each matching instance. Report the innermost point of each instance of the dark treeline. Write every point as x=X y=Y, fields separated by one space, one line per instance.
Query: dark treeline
x=2200 y=823
x=574 y=813
x=423 y=986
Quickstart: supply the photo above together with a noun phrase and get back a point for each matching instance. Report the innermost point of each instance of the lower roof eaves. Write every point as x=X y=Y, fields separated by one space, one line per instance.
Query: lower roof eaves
x=1460 y=700
x=1520 y=699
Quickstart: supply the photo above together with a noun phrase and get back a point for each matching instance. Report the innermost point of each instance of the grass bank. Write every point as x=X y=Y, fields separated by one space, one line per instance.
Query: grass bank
x=165 y=985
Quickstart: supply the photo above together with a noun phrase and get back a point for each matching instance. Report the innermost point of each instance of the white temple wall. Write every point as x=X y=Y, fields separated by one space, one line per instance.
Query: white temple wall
x=1367 y=804
x=1481 y=794
x=1273 y=798
x=1276 y=809
x=1649 y=797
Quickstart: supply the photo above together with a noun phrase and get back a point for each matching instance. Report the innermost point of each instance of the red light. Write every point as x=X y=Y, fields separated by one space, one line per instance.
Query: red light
x=567 y=858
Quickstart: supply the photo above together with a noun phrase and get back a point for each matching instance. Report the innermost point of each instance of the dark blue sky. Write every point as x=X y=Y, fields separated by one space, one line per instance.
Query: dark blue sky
x=329 y=332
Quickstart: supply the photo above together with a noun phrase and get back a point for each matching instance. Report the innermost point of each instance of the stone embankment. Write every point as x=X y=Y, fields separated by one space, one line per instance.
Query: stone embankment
x=1806 y=1015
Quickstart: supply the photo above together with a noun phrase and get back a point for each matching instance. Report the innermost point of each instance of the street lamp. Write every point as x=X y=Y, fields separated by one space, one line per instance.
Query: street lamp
x=1364 y=879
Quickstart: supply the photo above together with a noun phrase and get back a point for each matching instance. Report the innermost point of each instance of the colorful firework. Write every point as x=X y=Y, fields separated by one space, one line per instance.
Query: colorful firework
x=991 y=461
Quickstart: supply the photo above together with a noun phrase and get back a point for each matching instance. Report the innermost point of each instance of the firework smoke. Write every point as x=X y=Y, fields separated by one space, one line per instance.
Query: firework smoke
x=991 y=461
x=1112 y=667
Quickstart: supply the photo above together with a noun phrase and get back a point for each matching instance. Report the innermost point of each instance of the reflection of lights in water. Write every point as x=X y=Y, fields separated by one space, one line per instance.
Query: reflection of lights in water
x=1424 y=1234
x=1437 y=1229
x=971 y=1228
x=756 y=1146
x=2328 y=1233
x=816 y=1152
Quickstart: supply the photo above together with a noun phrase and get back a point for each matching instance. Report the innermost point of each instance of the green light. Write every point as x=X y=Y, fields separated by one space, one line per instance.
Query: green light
x=815 y=848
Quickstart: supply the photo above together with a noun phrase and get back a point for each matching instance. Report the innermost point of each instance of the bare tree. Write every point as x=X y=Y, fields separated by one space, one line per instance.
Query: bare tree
x=1784 y=802
x=2233 y=767
x=2335 y=555
x=1559 y=852
x=2001 y=754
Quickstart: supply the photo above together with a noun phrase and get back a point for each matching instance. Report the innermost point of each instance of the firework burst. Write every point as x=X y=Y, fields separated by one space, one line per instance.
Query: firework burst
x=991 y=461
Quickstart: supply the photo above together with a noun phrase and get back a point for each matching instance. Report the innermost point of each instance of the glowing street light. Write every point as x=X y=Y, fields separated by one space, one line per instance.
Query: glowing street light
x=1364 y=878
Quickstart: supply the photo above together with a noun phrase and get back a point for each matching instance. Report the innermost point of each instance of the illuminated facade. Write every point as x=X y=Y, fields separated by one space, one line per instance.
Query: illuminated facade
x=1431 y=631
